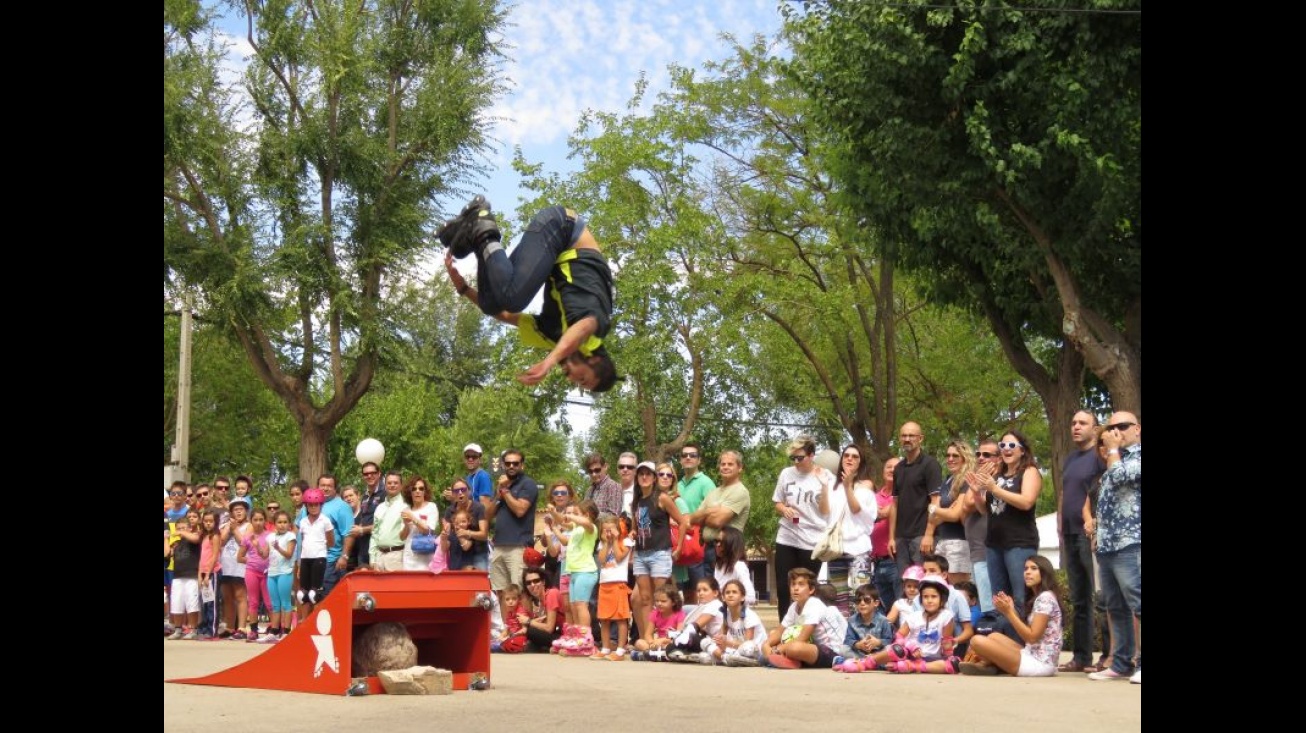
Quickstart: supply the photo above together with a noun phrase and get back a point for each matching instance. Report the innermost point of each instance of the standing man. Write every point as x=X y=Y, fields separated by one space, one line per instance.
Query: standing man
x=725 y=505
x=512 y=512
x=1119 y=534
x=913 y=478
x=694 y=486
x=478 y=479
x=342 y=521
x=373 y=495
x=626 y=464
x=988 y=460
x=1080 y=470
x=387 y=547
x=604 y=492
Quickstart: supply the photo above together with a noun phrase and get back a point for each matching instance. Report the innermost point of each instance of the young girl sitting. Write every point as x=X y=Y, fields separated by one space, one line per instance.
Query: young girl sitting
x=513 y=638
x=739 y=643
x=703 y=622
x=921 y=640
x=1040 y=627
x=731 y=564
x=663 y=626
x=908 y=604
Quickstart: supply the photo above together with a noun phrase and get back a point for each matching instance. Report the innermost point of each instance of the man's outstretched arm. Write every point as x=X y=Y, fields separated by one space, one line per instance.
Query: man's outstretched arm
x=575 y=335
x=469 y=292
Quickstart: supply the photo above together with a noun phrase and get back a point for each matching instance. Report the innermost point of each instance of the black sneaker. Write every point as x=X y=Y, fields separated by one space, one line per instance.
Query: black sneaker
x=472 y=227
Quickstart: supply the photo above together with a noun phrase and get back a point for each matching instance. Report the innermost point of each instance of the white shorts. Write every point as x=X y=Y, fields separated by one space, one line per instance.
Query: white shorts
x=185 y=596
x=1031 y=667
x=957 y=552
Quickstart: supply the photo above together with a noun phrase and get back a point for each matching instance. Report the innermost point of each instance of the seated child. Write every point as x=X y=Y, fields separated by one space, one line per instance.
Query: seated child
x=664 y=624
x=740 y=642
x=512 y=639
x=804 y=638
x=869 y=631
x=922 y=640
x=701 y=623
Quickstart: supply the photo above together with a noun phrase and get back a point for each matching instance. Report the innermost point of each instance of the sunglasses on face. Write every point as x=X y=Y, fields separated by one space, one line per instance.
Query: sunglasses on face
x=986 y=454
x=560 y=493
x=512 y=464
x=175 y=493
x=371 y=473
x=624 y=467
x=1008 y=446
x=666 y=474
x=470 y=456
x=596 y=470
x=534 y=581
x=460 y=490
x=202 y=494
x=798 y=458
x=689 y=455
x=274 y=508
x=1121 y=426
x=221 y=488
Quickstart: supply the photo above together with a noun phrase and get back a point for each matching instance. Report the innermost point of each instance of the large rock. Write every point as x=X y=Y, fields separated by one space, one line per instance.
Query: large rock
x=385 y=645
x=416 y=681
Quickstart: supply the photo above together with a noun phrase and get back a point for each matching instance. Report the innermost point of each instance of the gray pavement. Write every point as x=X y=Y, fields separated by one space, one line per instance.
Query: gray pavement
x=540 y=692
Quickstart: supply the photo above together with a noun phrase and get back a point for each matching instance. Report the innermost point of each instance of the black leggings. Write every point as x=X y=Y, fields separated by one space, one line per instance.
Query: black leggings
x=787 y=558
x=312 y=573
x=541 y=640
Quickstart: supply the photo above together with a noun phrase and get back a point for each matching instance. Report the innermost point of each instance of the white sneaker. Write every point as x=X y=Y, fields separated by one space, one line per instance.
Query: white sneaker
x=707 y=658
x=177 y=633
x=739 y=660
x=1137 y=679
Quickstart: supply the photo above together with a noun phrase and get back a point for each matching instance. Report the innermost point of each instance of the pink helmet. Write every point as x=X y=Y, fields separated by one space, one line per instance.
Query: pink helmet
x=915 y=572
x=313 y=496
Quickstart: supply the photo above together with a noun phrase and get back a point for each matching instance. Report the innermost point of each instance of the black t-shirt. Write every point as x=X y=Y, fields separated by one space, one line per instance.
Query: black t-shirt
x=579 y=287
x=1078 y=473
x=1010 y=527
x=911 y=486
x=186 y=559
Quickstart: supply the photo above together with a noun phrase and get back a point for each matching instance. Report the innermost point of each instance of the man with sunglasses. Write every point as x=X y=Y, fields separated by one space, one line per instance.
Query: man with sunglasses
x=694 y=486
x=604 y=492
x=1079 y=472
x=1119 y=535
x=913 y=478
x=988 y=460
x=626 y=464
x=512 y=512
x=373 y=495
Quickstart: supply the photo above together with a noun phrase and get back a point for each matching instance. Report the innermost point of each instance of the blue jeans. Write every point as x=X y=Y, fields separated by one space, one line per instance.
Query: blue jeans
x=1079 y=576
x=331 y=577
x=1120 y=574
x=979 y=571
x=1007 y=571
x=887 y=580
x=509 y=283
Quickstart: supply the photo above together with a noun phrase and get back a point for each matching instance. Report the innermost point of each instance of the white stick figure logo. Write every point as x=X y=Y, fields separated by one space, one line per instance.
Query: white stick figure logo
x=326 y=647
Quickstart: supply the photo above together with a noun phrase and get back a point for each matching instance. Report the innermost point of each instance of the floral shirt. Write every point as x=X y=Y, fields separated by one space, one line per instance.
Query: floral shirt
x=1048 y=648
x=1120 y=503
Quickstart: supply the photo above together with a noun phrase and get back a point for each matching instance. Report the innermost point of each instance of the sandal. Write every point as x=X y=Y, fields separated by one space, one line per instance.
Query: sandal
x=1073 y=666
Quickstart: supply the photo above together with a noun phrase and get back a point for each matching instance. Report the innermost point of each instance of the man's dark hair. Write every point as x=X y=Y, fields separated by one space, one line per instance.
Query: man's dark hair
x=604 y=370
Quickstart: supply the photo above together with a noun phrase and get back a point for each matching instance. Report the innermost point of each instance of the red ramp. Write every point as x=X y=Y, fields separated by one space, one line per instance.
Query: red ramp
x=447 y=615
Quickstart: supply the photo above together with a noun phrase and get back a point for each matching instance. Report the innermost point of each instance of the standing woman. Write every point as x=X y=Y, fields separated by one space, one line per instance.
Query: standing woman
x=669 y=483
x=1009 y=500
x=884 y=568
x=478 y=529
x=651 y=514
x=802 y=501
x=852 y=502
x=945 y=533
x=421 y=517
x=561 y=496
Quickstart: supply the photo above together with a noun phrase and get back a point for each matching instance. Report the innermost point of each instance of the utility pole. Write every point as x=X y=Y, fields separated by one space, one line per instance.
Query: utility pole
x=179 y=469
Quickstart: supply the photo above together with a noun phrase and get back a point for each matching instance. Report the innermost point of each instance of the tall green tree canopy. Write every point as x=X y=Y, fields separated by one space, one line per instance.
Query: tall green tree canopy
x=297 y=196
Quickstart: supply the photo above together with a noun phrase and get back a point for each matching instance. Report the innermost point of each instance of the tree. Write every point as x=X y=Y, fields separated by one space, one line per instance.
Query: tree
x=999 y=151
x=296 y=199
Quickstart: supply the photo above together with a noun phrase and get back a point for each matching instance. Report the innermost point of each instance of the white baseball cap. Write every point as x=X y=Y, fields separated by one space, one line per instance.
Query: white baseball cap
x=650 y=465
x=474 y=448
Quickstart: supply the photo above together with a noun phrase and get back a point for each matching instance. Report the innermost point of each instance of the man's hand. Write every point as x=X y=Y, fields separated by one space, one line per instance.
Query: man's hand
x=536 y=373
x=342 y=563
x=455 y=277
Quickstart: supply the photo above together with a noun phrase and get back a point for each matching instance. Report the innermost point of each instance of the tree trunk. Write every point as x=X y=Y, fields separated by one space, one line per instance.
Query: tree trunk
x=313 y=450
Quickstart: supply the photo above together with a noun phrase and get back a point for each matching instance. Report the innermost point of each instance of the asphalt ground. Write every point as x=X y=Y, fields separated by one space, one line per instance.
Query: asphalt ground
x=542 y=692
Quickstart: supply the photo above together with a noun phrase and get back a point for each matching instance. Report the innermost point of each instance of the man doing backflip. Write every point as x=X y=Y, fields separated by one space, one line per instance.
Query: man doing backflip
x=557 y=248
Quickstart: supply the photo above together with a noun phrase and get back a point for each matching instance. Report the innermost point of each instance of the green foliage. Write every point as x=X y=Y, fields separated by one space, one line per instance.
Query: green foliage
x=297 y=198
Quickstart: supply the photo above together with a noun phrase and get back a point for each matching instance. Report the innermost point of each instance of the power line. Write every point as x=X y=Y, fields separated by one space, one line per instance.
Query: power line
x=736 y=421
x=1002 y=8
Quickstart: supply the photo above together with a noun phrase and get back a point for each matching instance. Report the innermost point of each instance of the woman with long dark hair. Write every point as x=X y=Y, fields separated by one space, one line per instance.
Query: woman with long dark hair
x=1009 y=500
x=851 y=500
x=1038 y=622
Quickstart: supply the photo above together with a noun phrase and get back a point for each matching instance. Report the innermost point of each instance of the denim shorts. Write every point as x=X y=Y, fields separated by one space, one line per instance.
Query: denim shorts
x=655 y=563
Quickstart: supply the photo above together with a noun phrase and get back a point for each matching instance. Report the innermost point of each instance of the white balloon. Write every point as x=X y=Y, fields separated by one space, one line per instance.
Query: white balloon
x=827 y=459
x=370 y=450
